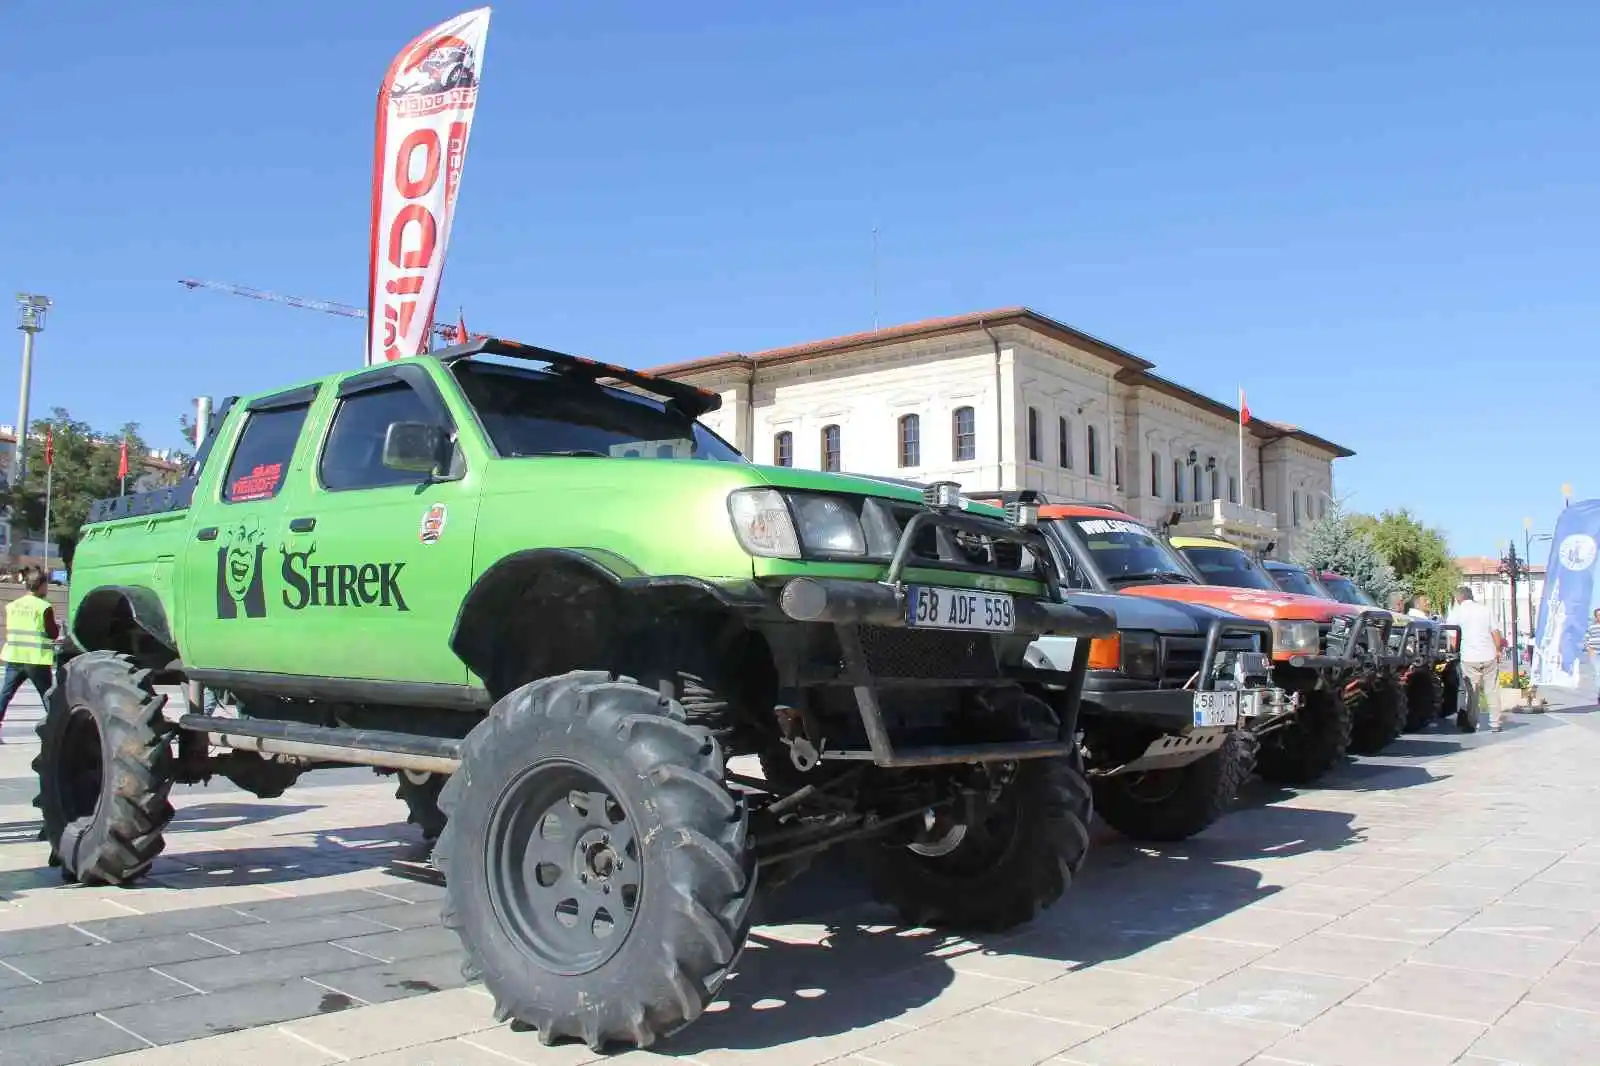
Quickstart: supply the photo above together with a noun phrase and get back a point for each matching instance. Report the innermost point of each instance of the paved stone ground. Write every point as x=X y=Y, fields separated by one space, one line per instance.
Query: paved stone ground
x=1435 y=905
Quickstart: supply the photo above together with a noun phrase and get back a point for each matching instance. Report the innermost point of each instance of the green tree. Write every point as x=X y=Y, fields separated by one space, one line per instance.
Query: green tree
x=1335 y=542
x=84 y=470
x=1420 y=555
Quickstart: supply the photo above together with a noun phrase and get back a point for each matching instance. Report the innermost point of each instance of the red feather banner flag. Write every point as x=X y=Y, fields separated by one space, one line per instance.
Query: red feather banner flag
x=425 y=110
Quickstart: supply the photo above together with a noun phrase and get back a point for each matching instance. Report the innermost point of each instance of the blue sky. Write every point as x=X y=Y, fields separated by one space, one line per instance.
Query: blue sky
x=1379 y=218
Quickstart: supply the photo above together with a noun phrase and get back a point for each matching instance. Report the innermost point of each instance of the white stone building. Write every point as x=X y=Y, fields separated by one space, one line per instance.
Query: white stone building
x=1492 y=587
x=1013 y=399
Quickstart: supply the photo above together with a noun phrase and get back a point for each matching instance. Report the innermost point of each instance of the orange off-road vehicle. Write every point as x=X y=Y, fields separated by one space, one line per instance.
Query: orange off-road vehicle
x=1318 y=646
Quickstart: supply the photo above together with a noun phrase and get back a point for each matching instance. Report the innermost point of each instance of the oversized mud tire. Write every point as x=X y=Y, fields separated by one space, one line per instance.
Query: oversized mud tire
x=598 y=869
x=1168 y=805
x=1315 y=739
x=420 y=794
x=1469 y=702
x=1378 y=716
x=1450 y=684
x=1018 y=862
x=105 y=768
x=1423 y=693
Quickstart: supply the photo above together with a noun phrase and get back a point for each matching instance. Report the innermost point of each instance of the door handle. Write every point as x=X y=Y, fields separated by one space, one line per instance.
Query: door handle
x=302 y=525
x=208 y=533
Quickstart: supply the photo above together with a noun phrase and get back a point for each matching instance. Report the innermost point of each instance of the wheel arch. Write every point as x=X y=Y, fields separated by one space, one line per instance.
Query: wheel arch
x=581 y=602
x=129 y=619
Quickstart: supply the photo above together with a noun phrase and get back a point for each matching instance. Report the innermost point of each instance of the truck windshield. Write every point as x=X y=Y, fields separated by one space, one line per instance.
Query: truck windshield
x=1296 y=581
x=1229 y=566
x=1345 y=591
x=1128 y=553
x=531 y=412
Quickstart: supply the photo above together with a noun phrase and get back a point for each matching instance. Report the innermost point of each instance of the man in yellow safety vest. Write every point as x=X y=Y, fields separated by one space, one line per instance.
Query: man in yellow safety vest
x=31 y=630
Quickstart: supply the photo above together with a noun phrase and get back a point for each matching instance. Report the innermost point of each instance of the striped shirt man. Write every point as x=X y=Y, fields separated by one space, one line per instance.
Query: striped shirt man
x=1591 y=639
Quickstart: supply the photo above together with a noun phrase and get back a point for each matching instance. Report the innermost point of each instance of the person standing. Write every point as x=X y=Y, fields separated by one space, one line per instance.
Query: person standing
x=1419 y=607
x=31 y=631
x=1480 y=650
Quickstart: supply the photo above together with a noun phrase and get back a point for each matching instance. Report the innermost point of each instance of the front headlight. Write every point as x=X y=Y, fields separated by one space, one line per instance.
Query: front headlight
x=1139 y=657
x=1294 y=636
x=828 y=526
x=762 y=523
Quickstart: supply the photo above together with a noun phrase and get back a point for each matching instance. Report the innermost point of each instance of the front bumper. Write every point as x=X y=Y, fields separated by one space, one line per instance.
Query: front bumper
x=1174 y=710
x=1190 y=731
x=840 y=601
x=865 y=615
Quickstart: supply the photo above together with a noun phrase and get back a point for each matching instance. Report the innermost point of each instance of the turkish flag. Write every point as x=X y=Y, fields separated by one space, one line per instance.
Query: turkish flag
x=122 y=459
x=49 y=447
x=1244 y=409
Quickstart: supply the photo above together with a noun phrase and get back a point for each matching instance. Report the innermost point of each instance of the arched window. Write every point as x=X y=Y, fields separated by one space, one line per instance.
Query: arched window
x=783 y=449
x=1297 y=508
x=830 y=448
x=1094 y=451
x=1155 y=475
x=1116 y=465
x=1233 y=489
x=964 y=434
x=910 y=440
x=1033 y=435
x=1064 y=443
x=1197 y=476
x=1177 y=481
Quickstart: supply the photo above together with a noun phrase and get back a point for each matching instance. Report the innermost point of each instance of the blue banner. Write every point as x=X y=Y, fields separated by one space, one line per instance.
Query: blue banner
x=1569 y=588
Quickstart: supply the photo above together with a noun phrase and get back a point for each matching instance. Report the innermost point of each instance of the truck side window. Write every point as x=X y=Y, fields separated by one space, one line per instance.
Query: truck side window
x=262 y=455
x=353 y=455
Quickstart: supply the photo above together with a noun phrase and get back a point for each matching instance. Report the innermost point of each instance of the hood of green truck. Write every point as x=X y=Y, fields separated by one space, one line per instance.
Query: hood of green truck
x=666 y=516
x=788 y=477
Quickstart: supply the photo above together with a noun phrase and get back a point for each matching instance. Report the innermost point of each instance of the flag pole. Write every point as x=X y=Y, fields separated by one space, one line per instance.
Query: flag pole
x=49 y=479
x=1242 y=477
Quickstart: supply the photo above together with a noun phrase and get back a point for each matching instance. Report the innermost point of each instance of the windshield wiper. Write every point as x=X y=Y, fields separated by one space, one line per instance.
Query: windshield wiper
x=1155 y=575
x=578 y=452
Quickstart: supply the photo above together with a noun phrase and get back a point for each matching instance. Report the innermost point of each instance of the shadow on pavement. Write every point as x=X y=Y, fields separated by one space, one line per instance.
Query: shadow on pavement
x=834 y=976
x=211 y=817
x=827 y=961
x=312 y=854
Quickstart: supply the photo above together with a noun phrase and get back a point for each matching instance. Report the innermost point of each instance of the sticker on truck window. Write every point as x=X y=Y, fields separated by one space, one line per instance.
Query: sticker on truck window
x=1112 y=525
x=259 y=484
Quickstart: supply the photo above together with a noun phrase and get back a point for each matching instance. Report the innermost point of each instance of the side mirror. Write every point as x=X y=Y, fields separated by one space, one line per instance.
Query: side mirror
x=416 y=447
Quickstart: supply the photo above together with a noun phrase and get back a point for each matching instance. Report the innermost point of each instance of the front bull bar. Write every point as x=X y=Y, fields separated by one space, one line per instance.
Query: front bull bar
x=848 y=605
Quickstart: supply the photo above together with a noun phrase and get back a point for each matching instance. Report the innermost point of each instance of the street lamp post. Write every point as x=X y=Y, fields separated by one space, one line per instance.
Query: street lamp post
x=1511 y=564
x=1529 y=539
x=31 y=309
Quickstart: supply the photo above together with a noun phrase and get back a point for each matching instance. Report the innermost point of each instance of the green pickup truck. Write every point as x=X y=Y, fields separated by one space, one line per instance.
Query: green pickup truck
x=545 y=594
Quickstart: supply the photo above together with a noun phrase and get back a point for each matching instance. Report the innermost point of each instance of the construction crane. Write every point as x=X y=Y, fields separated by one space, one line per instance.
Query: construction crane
x=445 y=332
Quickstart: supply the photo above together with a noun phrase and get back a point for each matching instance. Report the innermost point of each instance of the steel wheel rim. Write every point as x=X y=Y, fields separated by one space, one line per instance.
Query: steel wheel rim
x=986 y=843
x=1153 y=787
x=81 y=765
x=564 y=869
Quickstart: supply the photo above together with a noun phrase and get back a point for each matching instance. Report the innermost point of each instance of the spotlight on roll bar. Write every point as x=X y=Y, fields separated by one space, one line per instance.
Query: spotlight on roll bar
x=943 y=496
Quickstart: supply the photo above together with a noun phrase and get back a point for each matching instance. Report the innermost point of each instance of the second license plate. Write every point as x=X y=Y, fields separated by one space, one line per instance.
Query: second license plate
x=1216 y=709
x=938 y=608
